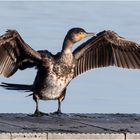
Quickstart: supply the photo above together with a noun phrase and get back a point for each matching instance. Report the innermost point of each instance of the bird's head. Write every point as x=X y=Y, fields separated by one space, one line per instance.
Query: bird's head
x=77 y=34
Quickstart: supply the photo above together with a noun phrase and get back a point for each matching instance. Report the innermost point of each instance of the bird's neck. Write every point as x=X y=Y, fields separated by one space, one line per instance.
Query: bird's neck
x=67 y=56
x=67 y=46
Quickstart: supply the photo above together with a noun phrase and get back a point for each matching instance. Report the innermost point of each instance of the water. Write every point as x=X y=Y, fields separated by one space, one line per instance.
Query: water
x=43 y=25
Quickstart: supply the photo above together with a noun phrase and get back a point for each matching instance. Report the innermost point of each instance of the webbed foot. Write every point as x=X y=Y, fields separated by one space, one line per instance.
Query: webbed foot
x=57 y=113
x=38 y=113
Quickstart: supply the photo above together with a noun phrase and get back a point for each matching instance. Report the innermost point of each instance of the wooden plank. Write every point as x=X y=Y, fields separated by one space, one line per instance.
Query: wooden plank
x=70 y=123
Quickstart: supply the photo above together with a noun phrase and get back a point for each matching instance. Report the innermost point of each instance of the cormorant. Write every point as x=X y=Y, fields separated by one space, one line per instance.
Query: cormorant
x=55 y=72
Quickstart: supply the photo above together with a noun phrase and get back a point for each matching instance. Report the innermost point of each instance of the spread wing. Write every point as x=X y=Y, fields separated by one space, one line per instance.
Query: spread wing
x=15 y=54
x=107 y=49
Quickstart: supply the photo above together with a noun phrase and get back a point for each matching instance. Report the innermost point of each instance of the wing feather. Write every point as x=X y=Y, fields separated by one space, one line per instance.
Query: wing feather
x=136 y=59
x=107 y=49
x=13 y=52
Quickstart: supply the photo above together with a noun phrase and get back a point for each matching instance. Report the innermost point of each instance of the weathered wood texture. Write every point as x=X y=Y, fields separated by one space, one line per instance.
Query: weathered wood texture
x=70 y=123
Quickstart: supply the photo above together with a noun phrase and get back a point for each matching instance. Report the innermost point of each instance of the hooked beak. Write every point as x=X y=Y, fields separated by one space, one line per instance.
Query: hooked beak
x=90 y=34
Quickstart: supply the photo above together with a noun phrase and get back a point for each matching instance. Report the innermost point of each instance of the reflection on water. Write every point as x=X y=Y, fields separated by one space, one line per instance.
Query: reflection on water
x=43 y=25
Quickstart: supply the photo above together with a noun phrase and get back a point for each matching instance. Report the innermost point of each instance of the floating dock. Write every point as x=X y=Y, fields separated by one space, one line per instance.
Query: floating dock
x=70 y=126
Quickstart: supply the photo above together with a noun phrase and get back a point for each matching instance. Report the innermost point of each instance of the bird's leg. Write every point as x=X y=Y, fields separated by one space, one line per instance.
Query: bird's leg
x=60 y=99
x=37 y=113
x=59 y=107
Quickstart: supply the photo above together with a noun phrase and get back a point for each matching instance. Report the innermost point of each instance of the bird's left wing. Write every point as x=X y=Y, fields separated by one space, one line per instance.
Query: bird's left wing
x=106 y=49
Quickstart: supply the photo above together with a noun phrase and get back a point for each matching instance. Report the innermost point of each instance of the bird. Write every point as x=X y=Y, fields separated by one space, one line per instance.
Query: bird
x=56 y=71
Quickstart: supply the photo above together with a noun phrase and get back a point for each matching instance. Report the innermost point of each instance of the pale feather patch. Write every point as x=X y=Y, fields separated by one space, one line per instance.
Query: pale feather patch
x=54 y=87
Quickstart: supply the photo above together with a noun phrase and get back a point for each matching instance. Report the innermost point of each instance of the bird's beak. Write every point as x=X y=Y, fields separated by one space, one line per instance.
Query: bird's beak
x=91 y=34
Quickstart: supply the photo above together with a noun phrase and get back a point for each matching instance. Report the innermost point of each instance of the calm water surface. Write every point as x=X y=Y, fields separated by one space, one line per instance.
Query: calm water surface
x=43 y=25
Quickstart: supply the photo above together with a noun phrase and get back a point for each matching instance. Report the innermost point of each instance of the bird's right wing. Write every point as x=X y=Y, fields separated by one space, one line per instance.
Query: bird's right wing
x=16 y=54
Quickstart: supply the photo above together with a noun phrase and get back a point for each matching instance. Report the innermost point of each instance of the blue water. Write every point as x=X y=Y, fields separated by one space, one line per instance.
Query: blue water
x=43 y=25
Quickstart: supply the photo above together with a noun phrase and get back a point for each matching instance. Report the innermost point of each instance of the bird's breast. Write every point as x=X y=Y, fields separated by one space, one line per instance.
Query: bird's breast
x=56 y=81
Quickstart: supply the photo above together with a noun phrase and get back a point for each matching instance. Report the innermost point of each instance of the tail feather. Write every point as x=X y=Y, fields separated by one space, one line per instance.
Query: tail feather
x=10 y=86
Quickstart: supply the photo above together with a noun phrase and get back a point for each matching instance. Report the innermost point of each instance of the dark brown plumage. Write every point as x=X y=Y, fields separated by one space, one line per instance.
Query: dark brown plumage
x=107 y=49
x=55 y=72
x=15 y=53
